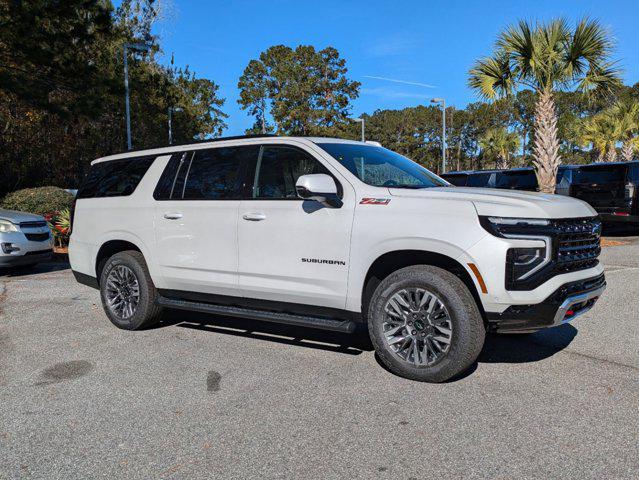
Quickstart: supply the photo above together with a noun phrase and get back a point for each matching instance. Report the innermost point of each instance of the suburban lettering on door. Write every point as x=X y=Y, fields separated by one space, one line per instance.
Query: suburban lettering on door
x=321 y=260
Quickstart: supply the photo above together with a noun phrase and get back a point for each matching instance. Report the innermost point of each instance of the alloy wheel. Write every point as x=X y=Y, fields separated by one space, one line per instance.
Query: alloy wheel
x=122 y=292
x=417 y=326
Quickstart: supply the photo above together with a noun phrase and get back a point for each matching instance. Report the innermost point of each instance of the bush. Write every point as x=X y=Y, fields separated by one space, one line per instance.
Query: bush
x=39 y=200
x=60 y=225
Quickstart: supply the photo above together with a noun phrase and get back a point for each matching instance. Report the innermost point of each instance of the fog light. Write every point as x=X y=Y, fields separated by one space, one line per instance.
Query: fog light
x=9 y=247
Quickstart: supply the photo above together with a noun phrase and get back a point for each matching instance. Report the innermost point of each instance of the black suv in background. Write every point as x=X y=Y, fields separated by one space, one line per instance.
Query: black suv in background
x=610 y=188
x=471 y=178
x=513 y=179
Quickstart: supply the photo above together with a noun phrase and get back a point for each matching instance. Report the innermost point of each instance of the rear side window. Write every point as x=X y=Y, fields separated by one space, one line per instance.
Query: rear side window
x=633 y=173
x=169 y=186
x=278 y=169
x=601 y=174
x=216 y=173
x=115 y=178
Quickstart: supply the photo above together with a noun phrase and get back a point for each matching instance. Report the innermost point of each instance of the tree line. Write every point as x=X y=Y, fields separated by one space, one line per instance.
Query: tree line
x=551 y=93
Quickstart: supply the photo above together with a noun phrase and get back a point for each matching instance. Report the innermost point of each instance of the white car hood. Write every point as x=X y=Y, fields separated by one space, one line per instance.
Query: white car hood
x=506 y=203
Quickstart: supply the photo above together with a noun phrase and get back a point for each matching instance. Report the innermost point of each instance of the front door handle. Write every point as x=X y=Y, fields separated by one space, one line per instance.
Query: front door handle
x=172 y=216
x=254 y=217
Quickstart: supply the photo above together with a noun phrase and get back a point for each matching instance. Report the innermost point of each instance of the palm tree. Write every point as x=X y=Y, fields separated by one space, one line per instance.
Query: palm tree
x=546 y=57
x=626 y=115
x=499 y=143
x=601 y=132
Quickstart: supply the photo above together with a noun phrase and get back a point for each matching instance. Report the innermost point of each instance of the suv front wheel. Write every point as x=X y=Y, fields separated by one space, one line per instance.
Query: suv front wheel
x=127 y=292
x=425 y=324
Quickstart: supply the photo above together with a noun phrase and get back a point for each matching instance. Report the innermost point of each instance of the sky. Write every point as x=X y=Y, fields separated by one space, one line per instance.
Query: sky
x=403 y=52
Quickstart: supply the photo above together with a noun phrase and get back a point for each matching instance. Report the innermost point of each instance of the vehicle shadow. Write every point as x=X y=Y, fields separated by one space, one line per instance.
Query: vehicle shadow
x=525 y=348
x=349 y=344
x=497 y=348
x=40 y=268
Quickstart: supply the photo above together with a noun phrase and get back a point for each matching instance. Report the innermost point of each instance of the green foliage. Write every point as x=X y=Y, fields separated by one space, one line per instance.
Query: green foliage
x=304 y=91
x=62 y=89
x=41 y=200
x=60 y=225
x=545 y=57
x=499 y=144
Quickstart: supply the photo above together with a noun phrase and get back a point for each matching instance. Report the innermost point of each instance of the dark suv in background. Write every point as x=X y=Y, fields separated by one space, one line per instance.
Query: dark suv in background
x=513 y=179
x=610 y=188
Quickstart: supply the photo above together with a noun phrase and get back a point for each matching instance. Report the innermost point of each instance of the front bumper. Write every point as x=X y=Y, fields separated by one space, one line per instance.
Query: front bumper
x=29 y=258
x=563 y=305
x=16 y=249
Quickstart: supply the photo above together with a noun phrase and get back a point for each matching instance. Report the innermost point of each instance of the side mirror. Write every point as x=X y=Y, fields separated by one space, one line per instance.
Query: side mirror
x=320 y=188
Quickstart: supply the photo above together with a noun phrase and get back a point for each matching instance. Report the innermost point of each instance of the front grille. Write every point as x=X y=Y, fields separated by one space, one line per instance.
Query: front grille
x=575 y=244
x=36 y=224
x=37 y=237
x=578 y=243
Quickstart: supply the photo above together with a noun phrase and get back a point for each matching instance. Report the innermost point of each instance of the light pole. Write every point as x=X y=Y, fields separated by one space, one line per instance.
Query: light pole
x=443 y=104
x=140 y=47
x=171 y=110
x=362 y=121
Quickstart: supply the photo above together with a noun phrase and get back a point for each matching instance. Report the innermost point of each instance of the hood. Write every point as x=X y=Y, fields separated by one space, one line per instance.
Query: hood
x=506 y=203
x=18 y=217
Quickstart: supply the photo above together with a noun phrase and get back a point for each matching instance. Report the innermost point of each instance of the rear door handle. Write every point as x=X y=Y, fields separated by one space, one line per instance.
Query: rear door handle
x=173 y=216
x=254 y=217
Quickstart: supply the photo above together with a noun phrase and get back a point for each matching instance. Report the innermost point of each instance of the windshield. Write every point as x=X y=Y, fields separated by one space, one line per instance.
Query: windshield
x=380 y=167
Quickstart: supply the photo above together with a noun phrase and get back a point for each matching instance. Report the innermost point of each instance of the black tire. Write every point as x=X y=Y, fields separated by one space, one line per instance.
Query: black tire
x=468 y=332
x=147 y=313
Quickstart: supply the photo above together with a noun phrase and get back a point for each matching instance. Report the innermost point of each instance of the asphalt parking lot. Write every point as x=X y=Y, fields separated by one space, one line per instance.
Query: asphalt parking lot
x=210 y=397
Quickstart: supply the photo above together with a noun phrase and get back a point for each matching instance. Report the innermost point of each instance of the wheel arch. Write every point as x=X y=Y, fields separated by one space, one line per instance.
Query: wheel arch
x=392 y=261
x=110 y=248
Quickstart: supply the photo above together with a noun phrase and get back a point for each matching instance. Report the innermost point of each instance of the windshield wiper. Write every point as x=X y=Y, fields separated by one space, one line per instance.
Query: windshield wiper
x=411 y=187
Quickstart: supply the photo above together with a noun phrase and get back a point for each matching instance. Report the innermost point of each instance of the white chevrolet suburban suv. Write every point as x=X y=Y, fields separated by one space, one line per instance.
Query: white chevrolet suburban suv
x=330 y=233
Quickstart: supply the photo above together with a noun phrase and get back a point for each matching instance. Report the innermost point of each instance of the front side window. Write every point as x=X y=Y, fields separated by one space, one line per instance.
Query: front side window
x=114 y=178
x=216 y=173
x=381 y=167
x=278 y=169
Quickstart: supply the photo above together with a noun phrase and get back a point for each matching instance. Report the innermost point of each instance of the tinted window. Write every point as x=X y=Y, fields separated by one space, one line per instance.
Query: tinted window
x=516 y=180
x=634 y=173
x=216 y=174
x=279 y=168
x=480 y=180
x=165 y=188
x=458 y=180
x=601 y=174
x=115 y=178
x=380 y=167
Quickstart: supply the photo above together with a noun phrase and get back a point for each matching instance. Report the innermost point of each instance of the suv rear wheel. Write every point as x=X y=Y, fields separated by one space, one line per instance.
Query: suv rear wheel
x=425 y=324
x=127 y=292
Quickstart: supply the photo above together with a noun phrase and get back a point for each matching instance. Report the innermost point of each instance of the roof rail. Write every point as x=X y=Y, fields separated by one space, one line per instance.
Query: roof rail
x=196 y=142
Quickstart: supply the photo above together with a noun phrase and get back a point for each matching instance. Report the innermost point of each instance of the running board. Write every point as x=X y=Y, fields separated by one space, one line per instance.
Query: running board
x=344 y=326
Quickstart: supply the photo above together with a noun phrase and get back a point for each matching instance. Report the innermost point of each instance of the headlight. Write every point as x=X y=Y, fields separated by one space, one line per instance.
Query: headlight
x=522 y=262
x=7 y=226
x=507 y=227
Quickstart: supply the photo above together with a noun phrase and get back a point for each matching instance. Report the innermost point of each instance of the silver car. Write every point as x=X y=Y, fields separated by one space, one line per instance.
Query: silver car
x=25 y=239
